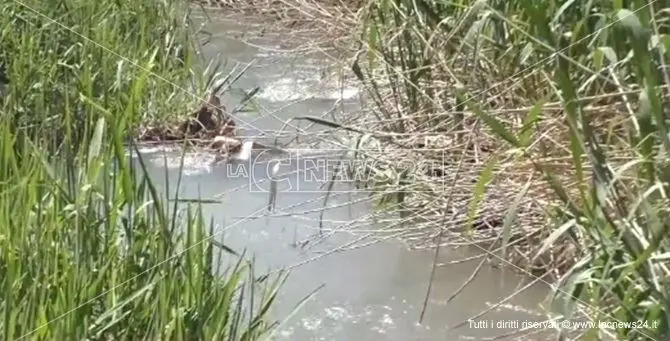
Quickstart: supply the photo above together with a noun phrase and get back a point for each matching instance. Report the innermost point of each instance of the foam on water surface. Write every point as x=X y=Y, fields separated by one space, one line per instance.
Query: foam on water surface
x=164 y=156
x=290 y=89
x=379 y=319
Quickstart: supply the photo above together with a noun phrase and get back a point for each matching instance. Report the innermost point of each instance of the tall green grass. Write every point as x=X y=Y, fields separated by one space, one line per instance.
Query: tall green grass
x=579 y=81
x=88 y=247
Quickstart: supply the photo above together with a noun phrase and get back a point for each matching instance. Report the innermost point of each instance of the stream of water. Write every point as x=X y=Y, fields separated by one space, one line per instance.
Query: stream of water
x=371 y=292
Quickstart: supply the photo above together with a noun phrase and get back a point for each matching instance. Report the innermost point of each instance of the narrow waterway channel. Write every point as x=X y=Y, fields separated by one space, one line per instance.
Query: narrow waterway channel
x=370 y=292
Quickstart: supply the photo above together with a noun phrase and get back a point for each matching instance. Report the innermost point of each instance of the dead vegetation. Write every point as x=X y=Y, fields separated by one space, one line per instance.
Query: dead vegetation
x=210 y=127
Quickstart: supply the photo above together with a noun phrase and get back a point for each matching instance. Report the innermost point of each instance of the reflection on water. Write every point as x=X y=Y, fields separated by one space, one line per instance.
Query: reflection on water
x=372 y=289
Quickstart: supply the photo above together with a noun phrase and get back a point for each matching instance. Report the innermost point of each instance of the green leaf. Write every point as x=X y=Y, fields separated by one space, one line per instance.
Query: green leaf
x=553 y=237
x=601 y=53
x=511 y=215
x=479 y=190
x=116 y=309
x=559 y=12
x=96 y=141
x=630 y=21
x=526 y=52
x=494 y=124
x=531 y=119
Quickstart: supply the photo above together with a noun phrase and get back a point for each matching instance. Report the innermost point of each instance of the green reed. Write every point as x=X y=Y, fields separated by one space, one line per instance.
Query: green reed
x=88 y=247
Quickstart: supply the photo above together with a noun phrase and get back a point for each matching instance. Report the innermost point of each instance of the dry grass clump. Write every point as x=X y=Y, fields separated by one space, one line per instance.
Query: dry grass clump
x=440 y=189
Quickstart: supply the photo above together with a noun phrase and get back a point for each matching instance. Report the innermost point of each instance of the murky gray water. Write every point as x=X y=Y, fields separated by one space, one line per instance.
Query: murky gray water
x=372 y=292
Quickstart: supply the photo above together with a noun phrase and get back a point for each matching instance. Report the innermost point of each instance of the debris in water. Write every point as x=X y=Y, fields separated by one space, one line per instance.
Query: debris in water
x=210 y=127
x=244 y=153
